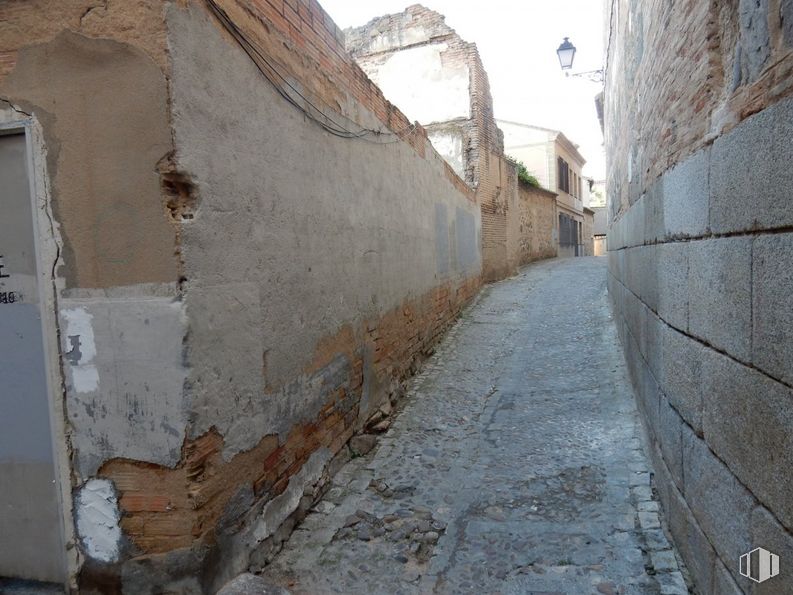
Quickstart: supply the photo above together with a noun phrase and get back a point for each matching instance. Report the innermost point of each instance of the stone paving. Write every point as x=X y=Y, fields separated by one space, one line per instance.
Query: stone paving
x=516 y=465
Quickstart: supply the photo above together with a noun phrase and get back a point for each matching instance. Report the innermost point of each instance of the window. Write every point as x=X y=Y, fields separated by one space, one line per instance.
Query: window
x=563 y=174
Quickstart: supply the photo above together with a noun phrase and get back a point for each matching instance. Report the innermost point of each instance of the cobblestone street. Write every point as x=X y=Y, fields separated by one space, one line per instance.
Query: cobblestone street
x=516 y=465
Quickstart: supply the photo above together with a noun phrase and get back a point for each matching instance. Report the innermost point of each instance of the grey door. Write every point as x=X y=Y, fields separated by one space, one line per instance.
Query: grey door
x=30 y=525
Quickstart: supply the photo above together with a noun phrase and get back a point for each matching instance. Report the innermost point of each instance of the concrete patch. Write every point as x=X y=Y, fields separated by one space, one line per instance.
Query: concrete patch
x=125 y=377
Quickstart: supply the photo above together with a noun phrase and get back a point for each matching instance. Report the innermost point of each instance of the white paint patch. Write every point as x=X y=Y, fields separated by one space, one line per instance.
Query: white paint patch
x=418 y=82
x=97 y=520
x=78 y=338
x=449 y=146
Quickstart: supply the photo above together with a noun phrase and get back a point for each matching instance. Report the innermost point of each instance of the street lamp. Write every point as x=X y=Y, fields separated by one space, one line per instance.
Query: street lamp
x=566 y=53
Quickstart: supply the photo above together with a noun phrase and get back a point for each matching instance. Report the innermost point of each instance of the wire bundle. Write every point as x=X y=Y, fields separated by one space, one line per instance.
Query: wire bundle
x=286 y=90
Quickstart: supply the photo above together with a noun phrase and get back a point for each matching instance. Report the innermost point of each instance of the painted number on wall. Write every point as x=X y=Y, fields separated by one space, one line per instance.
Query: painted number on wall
x=8 y=297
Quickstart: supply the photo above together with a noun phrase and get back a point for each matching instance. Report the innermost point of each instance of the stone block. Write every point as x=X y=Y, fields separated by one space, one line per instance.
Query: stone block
x=750 y=174
x=681 y=375
x=621 y=266
x=685 y=194
x=693 y=546
x=672 y=274
x=654 y=213
x=655 y=354
x=770 y=535
x=748 y=422
x=644 y=272
x=700 y=557
x=635 y=318
x=772 y=328
x=670 y=440
x=720 y=294
x=636 y=223
x=649 y=398
x=721 y=505
x=650 y=276
x=632 y=271
x=662 y=482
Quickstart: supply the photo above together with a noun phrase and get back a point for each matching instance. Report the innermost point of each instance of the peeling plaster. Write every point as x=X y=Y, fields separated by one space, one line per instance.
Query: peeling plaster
x=277 y=510
x=97 y=520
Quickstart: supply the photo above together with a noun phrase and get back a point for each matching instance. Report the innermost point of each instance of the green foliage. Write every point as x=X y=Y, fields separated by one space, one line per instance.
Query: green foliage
x=523 y=174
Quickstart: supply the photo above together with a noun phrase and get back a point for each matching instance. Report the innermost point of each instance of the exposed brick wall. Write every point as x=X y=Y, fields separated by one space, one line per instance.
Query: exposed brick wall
x=497 y=196
x=698 y=121
x=165 y=509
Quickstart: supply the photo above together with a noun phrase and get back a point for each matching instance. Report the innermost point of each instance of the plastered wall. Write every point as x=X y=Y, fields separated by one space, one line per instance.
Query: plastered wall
x=697 y=126
x=424 y=65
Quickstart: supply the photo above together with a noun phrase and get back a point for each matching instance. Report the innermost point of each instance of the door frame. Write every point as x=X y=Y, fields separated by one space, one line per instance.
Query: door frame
x=47 y=243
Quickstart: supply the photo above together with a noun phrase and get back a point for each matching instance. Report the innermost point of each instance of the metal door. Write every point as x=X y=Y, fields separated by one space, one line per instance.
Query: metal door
x=31 y=546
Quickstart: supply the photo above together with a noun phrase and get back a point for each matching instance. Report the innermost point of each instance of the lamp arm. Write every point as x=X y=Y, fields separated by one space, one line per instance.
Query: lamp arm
x=596 y=76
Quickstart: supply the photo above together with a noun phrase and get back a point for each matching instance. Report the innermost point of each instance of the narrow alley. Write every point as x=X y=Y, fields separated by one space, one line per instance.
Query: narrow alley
x=516 y=465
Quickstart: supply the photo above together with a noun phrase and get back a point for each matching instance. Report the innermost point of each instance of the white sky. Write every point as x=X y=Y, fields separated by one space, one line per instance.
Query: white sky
x=517 y=40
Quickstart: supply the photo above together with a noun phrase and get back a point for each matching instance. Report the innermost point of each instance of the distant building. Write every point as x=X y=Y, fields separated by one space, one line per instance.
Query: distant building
x=587 y=235
x=556 y=163
x=597 y=202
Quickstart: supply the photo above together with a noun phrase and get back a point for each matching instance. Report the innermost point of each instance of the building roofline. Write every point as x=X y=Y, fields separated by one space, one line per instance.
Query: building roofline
x=558 y=135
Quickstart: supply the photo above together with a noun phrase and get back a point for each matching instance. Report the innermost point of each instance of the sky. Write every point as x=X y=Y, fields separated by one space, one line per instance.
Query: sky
x=517 y=41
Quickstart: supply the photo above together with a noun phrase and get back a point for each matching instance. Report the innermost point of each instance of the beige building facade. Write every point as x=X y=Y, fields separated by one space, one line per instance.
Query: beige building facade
x=556 y=163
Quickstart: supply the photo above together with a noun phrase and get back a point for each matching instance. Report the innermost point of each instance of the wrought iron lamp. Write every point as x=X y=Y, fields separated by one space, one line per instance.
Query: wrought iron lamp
x=566 y=53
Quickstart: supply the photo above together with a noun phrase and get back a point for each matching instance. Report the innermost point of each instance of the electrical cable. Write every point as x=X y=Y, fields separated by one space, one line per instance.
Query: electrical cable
x=264 y=65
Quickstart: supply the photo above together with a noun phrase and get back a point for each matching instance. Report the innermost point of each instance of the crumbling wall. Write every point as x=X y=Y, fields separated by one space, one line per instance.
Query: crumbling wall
x=239 y=290
x=698 y=125
x=317 y=271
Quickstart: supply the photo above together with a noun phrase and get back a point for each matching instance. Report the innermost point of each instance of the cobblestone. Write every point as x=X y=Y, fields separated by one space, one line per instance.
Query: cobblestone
x=517 y=464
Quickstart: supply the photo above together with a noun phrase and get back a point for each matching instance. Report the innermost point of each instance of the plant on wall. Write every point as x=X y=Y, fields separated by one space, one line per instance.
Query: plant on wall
x=523 y=174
